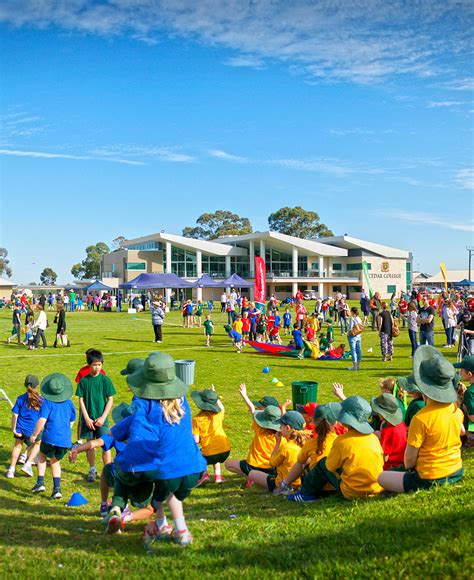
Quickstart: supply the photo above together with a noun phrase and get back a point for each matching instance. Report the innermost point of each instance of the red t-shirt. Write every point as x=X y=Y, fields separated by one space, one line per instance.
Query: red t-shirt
x=81 y=373
x=403 y=306
x=393 y=440
x=245 y=324
x=309 y=333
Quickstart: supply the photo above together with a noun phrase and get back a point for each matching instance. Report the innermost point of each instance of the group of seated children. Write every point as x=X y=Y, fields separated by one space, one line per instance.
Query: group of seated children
x=351 y=448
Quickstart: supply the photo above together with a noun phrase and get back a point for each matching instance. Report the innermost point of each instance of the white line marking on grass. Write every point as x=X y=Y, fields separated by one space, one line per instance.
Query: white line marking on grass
x=104 y=353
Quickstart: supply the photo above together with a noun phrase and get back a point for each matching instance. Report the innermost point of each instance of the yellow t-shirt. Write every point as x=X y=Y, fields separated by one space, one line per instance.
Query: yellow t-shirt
x=436 y=431
x=308 y=451
x=361 y=459
x=261 y=447
x=212 y=437
x=284 y=459
x=238 y=325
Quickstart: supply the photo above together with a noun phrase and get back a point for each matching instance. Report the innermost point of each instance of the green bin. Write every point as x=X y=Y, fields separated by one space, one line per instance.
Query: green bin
x=304 y=392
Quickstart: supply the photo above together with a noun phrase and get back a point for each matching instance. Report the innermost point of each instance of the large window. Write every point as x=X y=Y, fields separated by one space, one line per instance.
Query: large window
x=146 y=246
x=354 y=267
x=391 y=288
x=278 y=263
x=183 y=263
x=240 y=265
x=214 y=266
x=337 y=267
x=135 y=266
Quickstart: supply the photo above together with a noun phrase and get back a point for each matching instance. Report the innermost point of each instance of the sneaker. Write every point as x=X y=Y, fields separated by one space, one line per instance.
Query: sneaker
x=27 y=469
x=204 y=479
x=10 y=474
x=153 y=533
x=56 y=493
x=218 y=479
x=114 y=522
x=77 y=443
x=301 y=498
x=182 y=537
x=104 y=509
x=38 y=487
x=283 y=489
x=22 y=459
x=92 y=475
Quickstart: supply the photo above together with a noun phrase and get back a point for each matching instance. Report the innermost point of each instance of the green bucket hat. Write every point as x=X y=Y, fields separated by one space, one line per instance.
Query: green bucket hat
x=121 y=412
x=434 y=375
x=265 y=401
x=328 y=411
x=206 y=400
x=133 y=365
x=56 y=387
x=408 y=384
x=467 y=364
x=268 y=418
x=31 y=381
x=156 y=379
x=386 y=405
x=355 y=412
x=293 y=419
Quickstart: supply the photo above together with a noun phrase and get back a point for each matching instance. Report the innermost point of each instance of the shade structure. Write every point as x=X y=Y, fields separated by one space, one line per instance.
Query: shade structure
x=96 y=286
x=464 y=282
x=154 y=281
x=205 y=281
x=237 y=282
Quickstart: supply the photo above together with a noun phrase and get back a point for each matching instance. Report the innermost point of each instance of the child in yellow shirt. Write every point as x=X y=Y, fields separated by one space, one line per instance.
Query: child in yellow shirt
x=433 y=452
x=289 y=442
x=263 y=442
x=238 y=325
x=315 y=448
x=354 y=461
x=209 y=433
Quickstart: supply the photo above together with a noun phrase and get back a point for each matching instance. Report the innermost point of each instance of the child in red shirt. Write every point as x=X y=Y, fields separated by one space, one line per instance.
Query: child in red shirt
x=393 y=431
x=245 y=325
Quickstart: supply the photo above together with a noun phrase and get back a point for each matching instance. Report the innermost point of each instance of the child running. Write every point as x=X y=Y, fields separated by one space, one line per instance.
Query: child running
x=298 y=339
x=25 y=414
x=208 y=329
x=57 y=416
x=235 y=336
x=209 y=432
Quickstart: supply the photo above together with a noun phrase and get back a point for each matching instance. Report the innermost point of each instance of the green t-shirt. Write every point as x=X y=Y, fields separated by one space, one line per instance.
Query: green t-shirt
x=469 y=402
x=412 y=409
x=323 y=343
x=330 y=334
x=95 y=391
x=209 y=327
x=199 y=310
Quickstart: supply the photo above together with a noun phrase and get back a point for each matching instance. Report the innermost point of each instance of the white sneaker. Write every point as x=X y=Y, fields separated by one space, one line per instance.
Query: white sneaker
x=22 y=459
x=27 y=469
x=92 y=475
x=10 y=474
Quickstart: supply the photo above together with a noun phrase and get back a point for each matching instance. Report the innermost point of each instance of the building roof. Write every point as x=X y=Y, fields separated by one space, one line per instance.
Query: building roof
x=212 y=248
x=9 y=283
x=350 y=243
x=308 y=247
x=451 y=276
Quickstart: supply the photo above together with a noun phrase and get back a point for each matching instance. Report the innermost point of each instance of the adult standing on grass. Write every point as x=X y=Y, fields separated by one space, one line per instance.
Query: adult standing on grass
x=386 y=322
x=16 y=324
x=60 y=320
x=354 y=331
x=41 y=323
x=157 y=319
x=426 y=321
x=413 y=325
x=223 y=301
x=375 y=306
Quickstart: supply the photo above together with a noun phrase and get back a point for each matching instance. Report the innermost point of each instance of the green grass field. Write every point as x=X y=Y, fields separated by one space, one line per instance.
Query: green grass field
x=236 y=532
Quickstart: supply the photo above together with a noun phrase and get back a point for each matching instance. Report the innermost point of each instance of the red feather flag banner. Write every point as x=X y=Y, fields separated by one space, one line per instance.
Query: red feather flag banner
x=260 y=284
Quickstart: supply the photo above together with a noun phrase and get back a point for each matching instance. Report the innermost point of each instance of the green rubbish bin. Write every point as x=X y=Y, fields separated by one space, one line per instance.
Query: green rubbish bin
x=304 y=392
x=185 y=370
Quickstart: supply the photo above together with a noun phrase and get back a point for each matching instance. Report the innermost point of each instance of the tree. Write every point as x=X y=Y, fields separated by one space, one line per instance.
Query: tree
x=90 y=267
x=117 y=242
x=221 y=223
x=298 y=222
x=48 y=276
x=5 y=263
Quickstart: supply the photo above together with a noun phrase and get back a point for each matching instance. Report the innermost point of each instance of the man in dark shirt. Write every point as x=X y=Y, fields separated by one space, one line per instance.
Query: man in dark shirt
x=426 y=321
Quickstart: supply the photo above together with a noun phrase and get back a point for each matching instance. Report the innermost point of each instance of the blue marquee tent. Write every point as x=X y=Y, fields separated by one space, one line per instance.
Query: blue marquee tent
x=96 y=286
x=205 y=281
x=237 y=282
x=153 y=281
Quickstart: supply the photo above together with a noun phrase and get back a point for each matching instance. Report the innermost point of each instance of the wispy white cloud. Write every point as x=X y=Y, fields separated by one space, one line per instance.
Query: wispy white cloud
x=219 y=154
x=46 y=155
x=362 y=131
x=331 y=40
x=169 y=154
x=462 y=84
x=440 y=104
x=20 y=124
x=428 y=219
x=465 y=178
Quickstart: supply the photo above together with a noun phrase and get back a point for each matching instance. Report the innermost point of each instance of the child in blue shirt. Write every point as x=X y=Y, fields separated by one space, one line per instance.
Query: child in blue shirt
x=25 y=414
x=161 y=458
x=298 y=339
x=56 y=417
x=286 y=322
x=235 y=336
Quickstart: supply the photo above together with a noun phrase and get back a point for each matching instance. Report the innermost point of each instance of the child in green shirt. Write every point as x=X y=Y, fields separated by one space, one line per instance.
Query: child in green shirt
x=330 y=333
x=208 y=329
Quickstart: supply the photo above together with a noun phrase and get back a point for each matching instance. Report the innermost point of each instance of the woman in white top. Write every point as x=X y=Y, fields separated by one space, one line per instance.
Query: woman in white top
x=413 y=325
x=354 y=341
x=223 y=301
x=40 y=326
x=450 y=316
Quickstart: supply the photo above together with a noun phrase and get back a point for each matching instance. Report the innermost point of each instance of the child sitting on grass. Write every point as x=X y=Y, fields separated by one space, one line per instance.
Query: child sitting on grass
x=289 y=441
x=208 y=329
x=209 y=432
x=433 y=453
x=263 y=442
x=96 y=398
x=25 y=414
x=354 y=461
x=315 y=448
x=235 y=336
x=57 y=416
x=466 y=367
x=417 y=403
x=393 y=431
x=161 y=460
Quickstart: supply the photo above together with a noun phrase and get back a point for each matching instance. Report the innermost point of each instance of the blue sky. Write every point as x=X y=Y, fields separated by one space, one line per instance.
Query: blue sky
x=133 y=116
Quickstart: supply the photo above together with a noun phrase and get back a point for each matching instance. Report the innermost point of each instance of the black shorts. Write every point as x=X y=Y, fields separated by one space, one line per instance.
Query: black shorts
x=246 y=468
x=53 y=451
x=217 y=458
x=180 y=487
x=271 y=482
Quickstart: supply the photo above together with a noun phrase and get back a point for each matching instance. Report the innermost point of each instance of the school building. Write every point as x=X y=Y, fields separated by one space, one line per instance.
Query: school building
x=326 y=265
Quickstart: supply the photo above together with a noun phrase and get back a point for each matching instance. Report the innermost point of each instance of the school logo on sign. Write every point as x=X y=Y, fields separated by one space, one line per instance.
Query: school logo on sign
x=385 y=267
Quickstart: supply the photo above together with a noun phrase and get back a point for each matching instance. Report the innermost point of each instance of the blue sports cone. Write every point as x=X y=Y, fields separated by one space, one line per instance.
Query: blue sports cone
x=266 y=370
x=77 y=499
